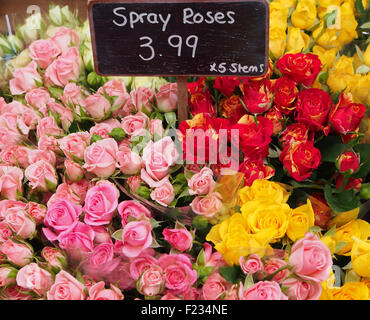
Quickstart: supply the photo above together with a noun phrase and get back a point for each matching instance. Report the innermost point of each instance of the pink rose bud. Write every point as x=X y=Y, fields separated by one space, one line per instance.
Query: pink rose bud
x=38 y=98
x=202 y=183
x=311 y=259
x=99 y=292
x=253 y=264
x=7 y=275
x=142 y=99
x=263 y=290
x=48 y=143
x=65 y=37
x=37 y=155
x=17 y=253
x=156 y=128
x=20 y=222
x=272 y=265
x=24 y=79
x=167 y=97
x=15 y=292
x=5 y=232
x=11 y=182
x=207 y=206
x=151 y=282
x=44 y=52
x=135 y=125
x=101 y=203
x=66 y=287
x=134 y=183
x=348 y=161
x=129 y=162
x=101 y=158
x=163 y=194
x=73 y=172
x=302 y=290
x=134 y=209
x=140 y=264
x=48 y=127
x=136 y=237
x=101 y=235
x=97 y=106
x=34 y=278
x=104 y=128
x=214 y=288
x=179 y=239
x=72 y=96
x=74 y=145
x=54 y=257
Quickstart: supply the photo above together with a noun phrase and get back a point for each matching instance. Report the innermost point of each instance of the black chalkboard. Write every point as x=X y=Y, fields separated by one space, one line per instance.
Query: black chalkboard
x=177 y=38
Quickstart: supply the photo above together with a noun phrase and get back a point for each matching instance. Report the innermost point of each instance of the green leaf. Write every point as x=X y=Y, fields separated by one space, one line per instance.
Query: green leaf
x=330 y=232
x=117 y=235
x=155 y=244
x=170 y=119
x=340 y=245
x=323 y=77
x=315 y=229
x=359 y=6
x=248 y=281
x=154 y=223
x=118 y=134
x=201 y=259
x=95 y=137
x=366 y=25
x=332 y=152
x=363 y=69
x=55 y=92
x=231 y=274
x=343 y=201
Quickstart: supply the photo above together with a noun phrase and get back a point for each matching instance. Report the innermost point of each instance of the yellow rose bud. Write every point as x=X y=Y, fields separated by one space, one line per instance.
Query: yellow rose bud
x=360 y=90
x=277 y=41
x=356 y=228
x=343 y=217
x=348 y=24
x=360 y=257
x=341 y=75
x=264 y=215
x=297 y=40
x=367 y=56
x=279 y=13
x=327 y=57
x=351 y=291
x=301 y=219
x=304 y=15
x=323 y=5
x=330 y=243
x=286 y=3
x=262 y=189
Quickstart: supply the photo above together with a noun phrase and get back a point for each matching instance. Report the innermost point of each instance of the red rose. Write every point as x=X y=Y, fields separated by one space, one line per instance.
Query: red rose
x=277 y=119
x=348 y=161
x=352 y=183
x=313 y=107
x=286 y=92
x=301 y=68
x=293 y=133
x=232 y=109
x=255 y=169
x=202 y=103
x=346 y=116
x=254 y=138
x=197 y=86
x=226 y=85
x=300 y=159
x=257 y=96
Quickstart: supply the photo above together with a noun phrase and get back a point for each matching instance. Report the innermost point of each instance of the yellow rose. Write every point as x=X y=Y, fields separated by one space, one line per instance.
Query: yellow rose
x=323 y=5
x=367 y=55
x=277 y=41
x=304 y=15
x=356 y=228
x=360 y=90
x=286 y=3
x=344 y=217
x=351 y=291
x=330 y=243
x=327 y=57
x=297 y=40
x=278 y=15
x=341 y=75
x=264 y=215
x=301 y=219
x=327 y=285
x=265 y=190
x=348 y=25
x=360 y=257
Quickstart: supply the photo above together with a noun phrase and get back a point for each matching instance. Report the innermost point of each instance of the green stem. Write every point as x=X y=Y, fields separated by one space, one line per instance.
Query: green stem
x=269 y=277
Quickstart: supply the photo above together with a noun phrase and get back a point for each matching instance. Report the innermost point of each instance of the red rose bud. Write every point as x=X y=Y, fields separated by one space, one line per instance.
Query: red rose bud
x=313 y=106
x=257 y=96
x=197 y=86
x=346 y=116
x=299 y=67
x=202 y=103
x=232 y=109
x=277 y=119
x=293 y=133
x=352 y=183
x=255 y=169
x=300 y=159
x=286 y=92
x=227 y=85
x=348 y=162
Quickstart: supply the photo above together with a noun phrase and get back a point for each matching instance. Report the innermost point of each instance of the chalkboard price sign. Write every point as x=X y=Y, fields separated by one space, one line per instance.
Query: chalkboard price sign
x=177 y=38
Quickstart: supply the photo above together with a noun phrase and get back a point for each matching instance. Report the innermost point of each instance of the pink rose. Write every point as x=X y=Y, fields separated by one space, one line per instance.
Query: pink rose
x=17 y=253
x=31 y=118
x=163 y=194
x=129 y=162
x=213 y=259
x=272 y=265
x=20 y=222
x=156 y=128
x=100 y=203
x=53 y=257
x=214 y=288
x=10 y=156
x=104 y=128
x=134 y=183
x=311 y=259
x=140 y=264
x=7 y=275
x=151 y=282
x=102 y=235
x=167 y=97
x=142 y=98
x=253 y=264
x=170 y=296
x=207 y=206
x=14 y=123
x=74 y=171
x=165 y=146
x=101 y=158
x=80 y=188
x=75 y=144
x=5 y=205
x=302 y=290
x=263 y=290
x=179 y=239
x=66 y=287
x=97 y=106
x=72 y=96
x=9 y=137
x=15 y=292
x=99 y=292
x=36 y=211
x=65 y=192
x=48 y=143
x=48 y=126
x=136 y=237
x=44 y=52
x=42 y=176
x=5 y=232
x=11 y=182
x=135 y=125
x=121 y=277
x=202 y=182
x=116 y=88
x=180 y=273
x=65 y=37
x=24 y=79
x=132 y=208
x=37 y=155
x=64 y=69
x=34 y=278
x=62 y=214
x=38 y=98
